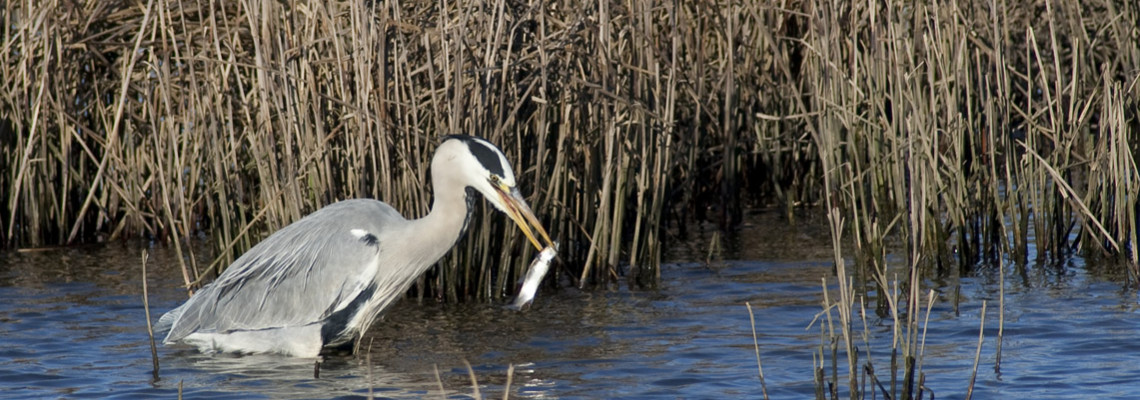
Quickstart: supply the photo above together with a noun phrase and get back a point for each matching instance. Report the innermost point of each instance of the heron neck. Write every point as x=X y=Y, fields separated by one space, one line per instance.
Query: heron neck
x=445 y=224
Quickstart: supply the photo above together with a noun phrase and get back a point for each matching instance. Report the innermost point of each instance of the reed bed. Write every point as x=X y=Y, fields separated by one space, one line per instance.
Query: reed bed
x=962 y=135
x=171 y=119
x=957 y=132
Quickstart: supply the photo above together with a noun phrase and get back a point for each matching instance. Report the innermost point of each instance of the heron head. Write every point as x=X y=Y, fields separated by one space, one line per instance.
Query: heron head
x=483 y=167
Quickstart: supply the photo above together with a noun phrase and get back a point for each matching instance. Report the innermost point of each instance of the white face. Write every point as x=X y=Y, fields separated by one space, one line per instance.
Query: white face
x=483 y=166
x=476 y=163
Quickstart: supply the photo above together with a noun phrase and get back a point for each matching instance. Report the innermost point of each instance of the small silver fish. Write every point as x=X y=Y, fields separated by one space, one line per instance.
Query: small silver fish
x=534 y=275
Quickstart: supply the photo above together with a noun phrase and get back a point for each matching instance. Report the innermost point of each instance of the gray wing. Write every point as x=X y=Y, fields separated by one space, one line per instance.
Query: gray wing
x=300 y=275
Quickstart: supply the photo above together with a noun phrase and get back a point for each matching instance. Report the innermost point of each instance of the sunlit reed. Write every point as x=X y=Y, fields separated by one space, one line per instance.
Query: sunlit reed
x=956 y=133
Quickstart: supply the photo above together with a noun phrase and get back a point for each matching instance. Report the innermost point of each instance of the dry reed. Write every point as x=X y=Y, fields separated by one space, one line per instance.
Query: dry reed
x=149 y=326
x=960 y=134
x=962 y=130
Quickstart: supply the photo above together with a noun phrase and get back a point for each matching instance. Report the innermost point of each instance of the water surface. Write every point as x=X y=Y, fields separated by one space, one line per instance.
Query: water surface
x=72 y=325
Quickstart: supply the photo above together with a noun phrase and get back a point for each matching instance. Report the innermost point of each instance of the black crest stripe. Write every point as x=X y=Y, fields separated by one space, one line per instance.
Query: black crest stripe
x=483 y=153
x=487 y=156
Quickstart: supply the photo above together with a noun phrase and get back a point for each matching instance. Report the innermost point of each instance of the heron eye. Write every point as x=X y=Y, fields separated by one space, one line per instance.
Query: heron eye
x=495 y=179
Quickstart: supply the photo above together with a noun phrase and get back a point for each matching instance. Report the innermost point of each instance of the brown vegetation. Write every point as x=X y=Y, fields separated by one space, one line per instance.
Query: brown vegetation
x=960 y=133
x=966 y=130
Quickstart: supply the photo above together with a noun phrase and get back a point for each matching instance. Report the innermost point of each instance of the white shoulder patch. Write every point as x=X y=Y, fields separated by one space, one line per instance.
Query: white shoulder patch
x=359 y=233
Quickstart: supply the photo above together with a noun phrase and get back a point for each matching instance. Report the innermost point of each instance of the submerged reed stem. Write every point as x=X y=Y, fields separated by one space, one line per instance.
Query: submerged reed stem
x=978 y=353
x=149 y=326
x=756 y=343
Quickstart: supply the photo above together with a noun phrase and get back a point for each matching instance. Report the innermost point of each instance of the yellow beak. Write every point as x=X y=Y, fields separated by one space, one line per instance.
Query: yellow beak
x=520 y=212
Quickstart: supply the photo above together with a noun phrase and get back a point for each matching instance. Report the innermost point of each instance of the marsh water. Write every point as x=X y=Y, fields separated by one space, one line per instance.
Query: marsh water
x=72 y=325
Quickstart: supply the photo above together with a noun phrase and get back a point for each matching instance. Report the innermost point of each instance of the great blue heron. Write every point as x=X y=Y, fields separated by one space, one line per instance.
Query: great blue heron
x=321 y=281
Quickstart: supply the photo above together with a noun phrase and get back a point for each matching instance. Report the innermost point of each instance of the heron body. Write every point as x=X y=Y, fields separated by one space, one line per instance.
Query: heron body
x=320 y=282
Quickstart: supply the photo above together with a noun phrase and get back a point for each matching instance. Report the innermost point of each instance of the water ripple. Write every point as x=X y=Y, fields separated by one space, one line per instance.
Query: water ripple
x=76 y=330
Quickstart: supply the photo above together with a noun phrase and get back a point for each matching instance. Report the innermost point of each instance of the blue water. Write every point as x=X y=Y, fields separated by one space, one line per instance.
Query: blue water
x=72 y=325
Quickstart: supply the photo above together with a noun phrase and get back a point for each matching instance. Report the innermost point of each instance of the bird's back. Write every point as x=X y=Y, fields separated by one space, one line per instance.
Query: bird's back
x=319 y=267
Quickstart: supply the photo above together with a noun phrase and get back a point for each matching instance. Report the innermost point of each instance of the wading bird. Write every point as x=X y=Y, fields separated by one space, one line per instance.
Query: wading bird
x=320 y=282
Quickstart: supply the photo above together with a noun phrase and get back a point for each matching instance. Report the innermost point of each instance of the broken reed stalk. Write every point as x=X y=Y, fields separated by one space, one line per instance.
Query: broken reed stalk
x=1001 y=318
x=756 y=344
x=507 y=386
x=922 y=345
x=149 y=326
x=474 y=381
x=978 y=353
x=827 y=340
x=439 y=381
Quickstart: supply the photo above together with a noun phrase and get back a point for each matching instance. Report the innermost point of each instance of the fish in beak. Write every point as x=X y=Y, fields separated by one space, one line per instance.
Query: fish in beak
x=534 y=275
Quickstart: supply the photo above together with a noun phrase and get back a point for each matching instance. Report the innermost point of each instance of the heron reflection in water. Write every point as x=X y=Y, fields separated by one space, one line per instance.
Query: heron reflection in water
x=320 y=282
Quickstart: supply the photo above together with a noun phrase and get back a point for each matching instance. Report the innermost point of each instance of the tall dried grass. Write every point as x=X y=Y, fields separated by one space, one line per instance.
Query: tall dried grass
x=962 y=130
x=961 y=134
x=169 y=119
